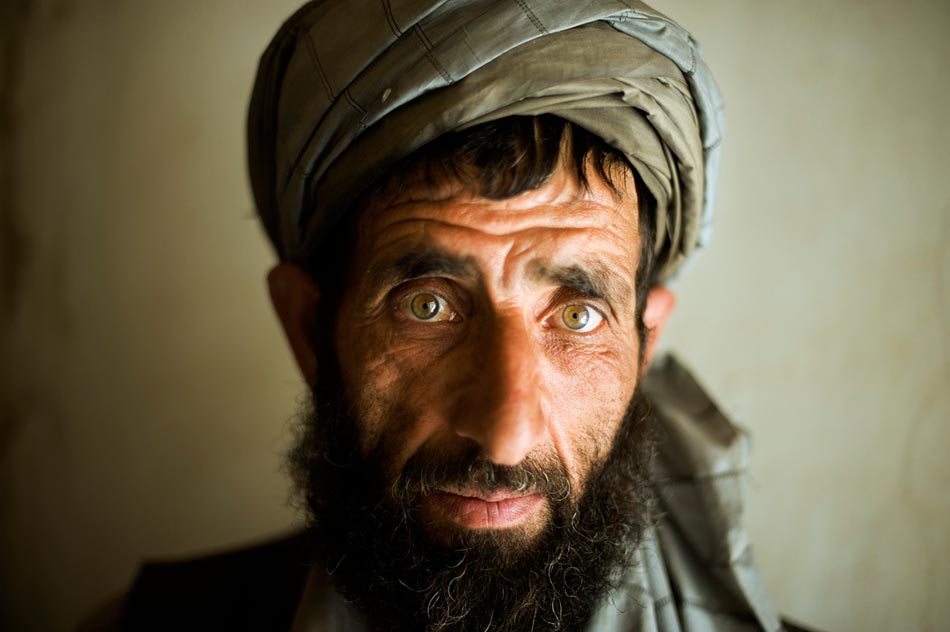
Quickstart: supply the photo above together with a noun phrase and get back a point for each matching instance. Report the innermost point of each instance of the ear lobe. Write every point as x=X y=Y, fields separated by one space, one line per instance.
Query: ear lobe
x=660 y=304
x=295 y=297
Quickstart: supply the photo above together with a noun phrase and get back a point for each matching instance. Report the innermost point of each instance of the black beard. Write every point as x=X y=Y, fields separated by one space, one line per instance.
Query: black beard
x=369 y=536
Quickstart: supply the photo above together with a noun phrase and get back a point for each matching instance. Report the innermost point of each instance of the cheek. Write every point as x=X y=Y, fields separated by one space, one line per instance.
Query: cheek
x=588 y=396
x=393 y=385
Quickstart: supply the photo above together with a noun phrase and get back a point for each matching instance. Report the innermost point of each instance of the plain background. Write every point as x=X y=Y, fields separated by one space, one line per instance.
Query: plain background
x=147 y=388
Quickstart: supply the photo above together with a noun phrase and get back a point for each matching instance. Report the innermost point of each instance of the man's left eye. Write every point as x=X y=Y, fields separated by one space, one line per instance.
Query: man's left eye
x=580 y=318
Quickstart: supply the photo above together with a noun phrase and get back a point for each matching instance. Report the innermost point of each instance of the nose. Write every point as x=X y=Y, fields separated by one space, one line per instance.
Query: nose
x=501 y=404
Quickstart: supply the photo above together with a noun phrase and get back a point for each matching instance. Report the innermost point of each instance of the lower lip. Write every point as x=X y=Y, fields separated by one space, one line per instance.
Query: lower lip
x=476 y=513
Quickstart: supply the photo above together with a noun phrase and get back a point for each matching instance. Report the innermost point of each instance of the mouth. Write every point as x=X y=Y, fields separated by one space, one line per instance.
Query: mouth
x=500 y=509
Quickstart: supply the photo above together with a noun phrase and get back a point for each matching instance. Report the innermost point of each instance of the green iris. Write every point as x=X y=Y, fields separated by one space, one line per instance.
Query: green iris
x=575 y=316
x=424 y=306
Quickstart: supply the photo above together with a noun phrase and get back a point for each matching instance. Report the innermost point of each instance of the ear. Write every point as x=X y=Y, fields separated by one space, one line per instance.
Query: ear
x=660 y=304
x=295 y=297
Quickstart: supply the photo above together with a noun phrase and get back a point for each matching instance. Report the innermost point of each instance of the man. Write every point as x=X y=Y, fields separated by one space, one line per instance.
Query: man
x=477 y=205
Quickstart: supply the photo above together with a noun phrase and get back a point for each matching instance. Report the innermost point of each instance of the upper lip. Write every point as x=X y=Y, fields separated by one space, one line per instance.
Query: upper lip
x=488 y=496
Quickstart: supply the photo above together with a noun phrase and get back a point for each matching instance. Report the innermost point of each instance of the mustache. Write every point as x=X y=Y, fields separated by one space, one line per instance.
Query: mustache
x=436 y=469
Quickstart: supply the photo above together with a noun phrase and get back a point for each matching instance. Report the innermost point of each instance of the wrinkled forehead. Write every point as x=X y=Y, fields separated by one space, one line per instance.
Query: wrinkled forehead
x=562 y=197
x=561 y=230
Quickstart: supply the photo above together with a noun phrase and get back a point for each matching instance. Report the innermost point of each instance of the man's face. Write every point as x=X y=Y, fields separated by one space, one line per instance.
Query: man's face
x=505 y=329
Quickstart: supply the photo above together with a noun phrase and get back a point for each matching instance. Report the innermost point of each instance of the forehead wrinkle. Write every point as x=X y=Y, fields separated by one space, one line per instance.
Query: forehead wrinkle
x=513 y=221
x=494 y=217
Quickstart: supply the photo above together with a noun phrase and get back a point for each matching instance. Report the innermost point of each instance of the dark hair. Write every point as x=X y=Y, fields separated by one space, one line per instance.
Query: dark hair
x=499 y=160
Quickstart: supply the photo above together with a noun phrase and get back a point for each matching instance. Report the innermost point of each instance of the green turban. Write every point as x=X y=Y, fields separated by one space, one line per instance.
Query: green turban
x=347 y=88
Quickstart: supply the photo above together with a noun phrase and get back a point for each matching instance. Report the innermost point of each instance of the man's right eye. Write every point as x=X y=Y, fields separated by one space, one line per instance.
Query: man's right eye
x=427 y=307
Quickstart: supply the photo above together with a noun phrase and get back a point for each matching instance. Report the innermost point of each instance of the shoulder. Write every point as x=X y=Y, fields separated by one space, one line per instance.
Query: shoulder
x=255 y=587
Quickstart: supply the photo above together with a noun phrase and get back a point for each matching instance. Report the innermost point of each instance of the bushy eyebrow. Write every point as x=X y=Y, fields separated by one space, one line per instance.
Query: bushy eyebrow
x=424 y=263
x=590 y=280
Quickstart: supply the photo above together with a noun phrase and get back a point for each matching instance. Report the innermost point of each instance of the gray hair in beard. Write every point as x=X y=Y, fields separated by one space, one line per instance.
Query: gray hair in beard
x=368 y=535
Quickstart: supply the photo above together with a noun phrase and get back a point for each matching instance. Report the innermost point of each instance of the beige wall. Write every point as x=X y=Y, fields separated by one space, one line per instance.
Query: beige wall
x=146 y=388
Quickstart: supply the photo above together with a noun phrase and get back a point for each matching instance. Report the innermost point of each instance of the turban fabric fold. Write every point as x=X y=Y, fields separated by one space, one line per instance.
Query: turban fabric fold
x=347 y=88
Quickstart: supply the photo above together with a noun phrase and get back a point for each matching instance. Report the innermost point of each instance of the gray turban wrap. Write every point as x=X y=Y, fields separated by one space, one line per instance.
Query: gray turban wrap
x=347 y=88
